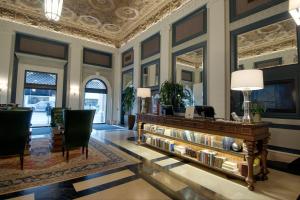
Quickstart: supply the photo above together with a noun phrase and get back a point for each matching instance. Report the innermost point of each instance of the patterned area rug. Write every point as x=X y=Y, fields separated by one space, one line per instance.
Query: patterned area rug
x=42 y=167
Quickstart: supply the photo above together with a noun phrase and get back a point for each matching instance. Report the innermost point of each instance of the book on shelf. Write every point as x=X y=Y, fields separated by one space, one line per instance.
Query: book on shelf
x=147 y=127
x=230 y=166
x=179 y=149
x=168 y=132
x=160 y=130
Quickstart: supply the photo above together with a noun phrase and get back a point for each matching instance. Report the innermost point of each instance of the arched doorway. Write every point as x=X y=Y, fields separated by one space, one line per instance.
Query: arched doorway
x=95 y=97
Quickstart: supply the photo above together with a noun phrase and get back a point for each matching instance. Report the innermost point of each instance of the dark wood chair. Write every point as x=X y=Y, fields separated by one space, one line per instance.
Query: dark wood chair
x=78 y=127
x=14 y=132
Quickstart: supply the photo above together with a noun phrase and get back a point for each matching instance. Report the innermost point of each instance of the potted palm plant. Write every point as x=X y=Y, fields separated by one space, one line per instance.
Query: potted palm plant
x=172 y=94
x=127 y=103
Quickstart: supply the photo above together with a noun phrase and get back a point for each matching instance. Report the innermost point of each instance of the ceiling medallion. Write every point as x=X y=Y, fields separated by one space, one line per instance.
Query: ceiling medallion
x=111 y=28
x=88 y=20
x=127 y=13
x=102 y=5
x=53 y=9
x=68 y=13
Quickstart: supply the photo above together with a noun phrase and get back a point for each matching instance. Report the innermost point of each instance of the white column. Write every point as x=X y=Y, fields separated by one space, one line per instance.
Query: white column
x=117 y=87
x=74 y=75
x=165 y=53
x=136 y=72
x=216 y=57
x=6 y=60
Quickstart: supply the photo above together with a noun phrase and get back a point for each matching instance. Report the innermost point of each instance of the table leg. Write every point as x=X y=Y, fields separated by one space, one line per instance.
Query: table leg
x=139 y=132
x=264 y=155
x=250 y=160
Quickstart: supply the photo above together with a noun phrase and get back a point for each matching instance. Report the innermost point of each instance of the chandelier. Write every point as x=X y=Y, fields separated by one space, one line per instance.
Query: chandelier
x=53 y=9
x=294 y=9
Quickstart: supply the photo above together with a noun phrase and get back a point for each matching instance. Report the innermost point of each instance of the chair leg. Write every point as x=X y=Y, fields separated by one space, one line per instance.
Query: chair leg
x=63 y=151
x=86 y=152
x=67 y=155
x=82 y=150
x=22 y=161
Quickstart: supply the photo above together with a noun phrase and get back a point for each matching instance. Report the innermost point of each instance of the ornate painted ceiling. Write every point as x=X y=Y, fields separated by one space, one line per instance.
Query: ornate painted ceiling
x=275 y=37
x=112 y=22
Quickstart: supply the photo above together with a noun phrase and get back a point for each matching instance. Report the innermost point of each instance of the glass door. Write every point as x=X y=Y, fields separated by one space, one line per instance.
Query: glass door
x=40 y=95
x=95 y=98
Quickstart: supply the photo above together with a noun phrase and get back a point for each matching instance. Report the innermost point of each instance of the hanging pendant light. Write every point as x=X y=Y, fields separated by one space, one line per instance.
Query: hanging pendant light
x=294 y=9
x=53 y=9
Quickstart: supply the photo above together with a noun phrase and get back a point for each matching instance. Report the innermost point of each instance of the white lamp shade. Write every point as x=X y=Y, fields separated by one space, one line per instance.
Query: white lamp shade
x=144 y=92
x=53 y=9
x=294 y=9
x=250 y=79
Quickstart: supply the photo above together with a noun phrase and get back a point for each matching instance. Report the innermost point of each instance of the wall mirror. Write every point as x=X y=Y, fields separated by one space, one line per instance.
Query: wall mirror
x=127 y=79
x=268 y=46
x=150 y=74
x=189 y=70
x=271 y=45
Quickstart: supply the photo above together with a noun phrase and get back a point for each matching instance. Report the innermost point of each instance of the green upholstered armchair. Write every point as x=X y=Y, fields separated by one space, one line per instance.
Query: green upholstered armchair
x=14 y=132
x=78 y=127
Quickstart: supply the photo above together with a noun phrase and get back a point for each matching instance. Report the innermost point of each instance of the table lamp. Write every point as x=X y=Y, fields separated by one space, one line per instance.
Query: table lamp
x=143 y=93
x=246 y=81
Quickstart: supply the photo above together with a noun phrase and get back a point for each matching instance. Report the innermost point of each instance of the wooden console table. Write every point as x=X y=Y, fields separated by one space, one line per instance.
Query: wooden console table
x=254 y=136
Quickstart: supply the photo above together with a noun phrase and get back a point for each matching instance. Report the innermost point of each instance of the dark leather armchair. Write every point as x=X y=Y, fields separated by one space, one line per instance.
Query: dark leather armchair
x=14 y=132
x=78 y=127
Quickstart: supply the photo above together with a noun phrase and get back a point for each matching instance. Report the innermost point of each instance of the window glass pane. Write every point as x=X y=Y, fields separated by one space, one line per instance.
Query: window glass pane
x=40 y=78
x=268 y=46
x=95 y=84
x=96 y=101
x=41 y=101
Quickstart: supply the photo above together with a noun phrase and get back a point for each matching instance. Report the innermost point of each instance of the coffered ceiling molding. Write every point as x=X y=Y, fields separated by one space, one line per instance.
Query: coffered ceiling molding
x=112 y=22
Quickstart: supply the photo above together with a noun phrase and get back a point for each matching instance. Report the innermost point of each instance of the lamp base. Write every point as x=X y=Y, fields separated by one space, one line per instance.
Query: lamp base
x=247 y=117
x=143 y=111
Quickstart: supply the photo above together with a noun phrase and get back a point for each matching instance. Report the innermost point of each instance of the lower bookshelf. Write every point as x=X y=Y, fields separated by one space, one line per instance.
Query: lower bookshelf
x=197 y=162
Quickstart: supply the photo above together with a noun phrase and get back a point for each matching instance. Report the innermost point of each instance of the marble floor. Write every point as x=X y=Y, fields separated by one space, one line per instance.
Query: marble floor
x=159 y=176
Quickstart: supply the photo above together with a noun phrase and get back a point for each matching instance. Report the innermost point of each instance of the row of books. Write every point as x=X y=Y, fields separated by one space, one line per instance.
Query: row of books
x=196 y=137
x=210 y=158
x=205 y=156
x=161 y=143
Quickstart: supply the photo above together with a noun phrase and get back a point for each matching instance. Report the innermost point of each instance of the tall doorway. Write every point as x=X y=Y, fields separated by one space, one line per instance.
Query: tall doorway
x=95 y=97
x=40 y=95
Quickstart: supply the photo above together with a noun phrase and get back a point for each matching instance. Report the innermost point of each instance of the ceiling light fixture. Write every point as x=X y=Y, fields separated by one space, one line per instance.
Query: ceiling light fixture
x=294 y=9
x=53 y=9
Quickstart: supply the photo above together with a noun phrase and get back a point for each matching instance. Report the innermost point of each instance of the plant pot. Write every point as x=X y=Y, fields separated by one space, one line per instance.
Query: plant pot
x=256 y=117
x=131 y=121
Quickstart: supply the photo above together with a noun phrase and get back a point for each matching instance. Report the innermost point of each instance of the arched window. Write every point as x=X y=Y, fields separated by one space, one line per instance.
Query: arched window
x=96 y=86
x=95 y=98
